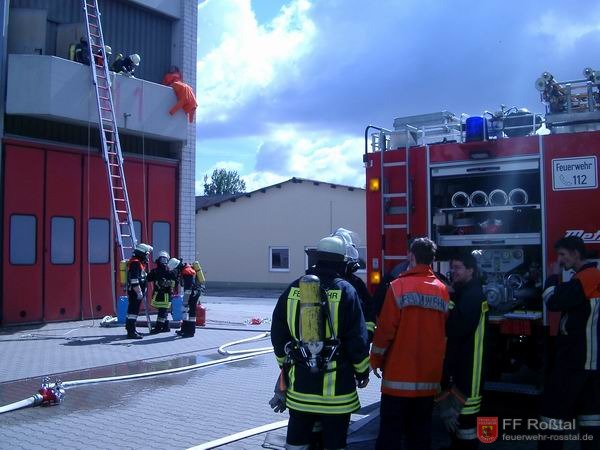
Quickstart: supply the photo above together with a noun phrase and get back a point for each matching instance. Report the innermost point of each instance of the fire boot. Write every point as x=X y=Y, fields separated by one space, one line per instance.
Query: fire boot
x=158 y=327
x=165 y=328
x=188 y=329
x=131 y=332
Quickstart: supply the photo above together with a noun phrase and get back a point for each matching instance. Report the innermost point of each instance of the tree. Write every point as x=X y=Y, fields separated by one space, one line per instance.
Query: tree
x=224 y=182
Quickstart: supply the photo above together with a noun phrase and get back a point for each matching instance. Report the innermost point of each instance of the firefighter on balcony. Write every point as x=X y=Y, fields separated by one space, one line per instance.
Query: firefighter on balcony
x=127 y=65
x=164 y=281
x=191 y=278
x=409 y=345
x=136 y=286
x=320 y=341
x=186 y=99
x=572 y=388
x=460 y=400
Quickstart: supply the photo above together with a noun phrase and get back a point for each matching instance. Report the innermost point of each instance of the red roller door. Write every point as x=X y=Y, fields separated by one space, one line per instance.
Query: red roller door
x=22 y=299
x=98 y=232
x=62 y=273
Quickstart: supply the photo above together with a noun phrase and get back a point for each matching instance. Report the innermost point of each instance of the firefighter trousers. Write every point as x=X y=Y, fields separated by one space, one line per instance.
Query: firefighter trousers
x=300 y=427
x=465 y=437
x=408 y=417
x=571 y=397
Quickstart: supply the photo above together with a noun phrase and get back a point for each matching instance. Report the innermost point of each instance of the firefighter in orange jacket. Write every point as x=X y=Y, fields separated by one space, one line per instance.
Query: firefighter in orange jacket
x=572 y=389
x=186 y=99
x=409 y=346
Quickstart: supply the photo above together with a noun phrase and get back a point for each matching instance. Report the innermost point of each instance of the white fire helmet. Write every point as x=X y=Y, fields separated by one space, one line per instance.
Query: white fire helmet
x=135 y=59
x=173 y=264
x=143 y=248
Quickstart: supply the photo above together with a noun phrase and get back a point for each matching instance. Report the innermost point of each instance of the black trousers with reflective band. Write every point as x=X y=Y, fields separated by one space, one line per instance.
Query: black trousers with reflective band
x=334 y=428
x=572 y=394
x=408 y=417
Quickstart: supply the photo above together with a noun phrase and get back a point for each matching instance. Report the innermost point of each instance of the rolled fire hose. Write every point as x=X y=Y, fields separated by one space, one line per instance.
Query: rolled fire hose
x=498 y=198
x=460 y=199
x=38 y=399
x=518 y=196
x=478 y=198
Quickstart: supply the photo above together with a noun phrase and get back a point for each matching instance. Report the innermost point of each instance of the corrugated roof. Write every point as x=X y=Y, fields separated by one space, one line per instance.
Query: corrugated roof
x=206 y=201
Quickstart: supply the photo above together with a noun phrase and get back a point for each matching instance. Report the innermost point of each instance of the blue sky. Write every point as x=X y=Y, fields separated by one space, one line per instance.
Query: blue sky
x=286 y=87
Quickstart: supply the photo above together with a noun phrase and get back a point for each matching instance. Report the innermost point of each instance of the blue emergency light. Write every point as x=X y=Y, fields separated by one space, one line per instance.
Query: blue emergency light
x=475 y=129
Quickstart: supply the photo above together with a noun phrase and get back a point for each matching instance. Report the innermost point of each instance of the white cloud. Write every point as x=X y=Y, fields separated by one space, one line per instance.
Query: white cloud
x=247 y=58
x=257 y=180
x=564 y=33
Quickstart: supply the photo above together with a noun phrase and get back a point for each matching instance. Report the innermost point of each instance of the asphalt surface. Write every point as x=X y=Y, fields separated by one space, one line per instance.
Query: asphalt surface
x=176 y=411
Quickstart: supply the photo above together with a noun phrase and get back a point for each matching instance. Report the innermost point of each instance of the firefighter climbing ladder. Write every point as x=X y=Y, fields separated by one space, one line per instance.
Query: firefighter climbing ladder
x=109 y=134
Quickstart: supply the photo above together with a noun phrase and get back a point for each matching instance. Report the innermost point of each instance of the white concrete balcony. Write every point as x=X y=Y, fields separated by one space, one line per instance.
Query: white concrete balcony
x=58 y=89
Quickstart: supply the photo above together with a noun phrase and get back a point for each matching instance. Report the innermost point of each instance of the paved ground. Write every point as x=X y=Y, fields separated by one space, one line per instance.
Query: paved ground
x=171 y=411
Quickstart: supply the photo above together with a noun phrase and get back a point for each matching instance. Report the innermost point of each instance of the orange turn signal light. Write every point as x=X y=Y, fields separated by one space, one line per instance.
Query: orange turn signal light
x=375 y=278
x=374 y=184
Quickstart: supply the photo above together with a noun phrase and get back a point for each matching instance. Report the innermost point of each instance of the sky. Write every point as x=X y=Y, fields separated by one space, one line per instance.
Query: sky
x=286 y=88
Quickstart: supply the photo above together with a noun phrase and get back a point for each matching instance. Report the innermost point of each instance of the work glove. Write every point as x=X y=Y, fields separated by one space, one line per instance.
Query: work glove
x=138 y=294
x=362 y=380
x=450 y=403
x=277 y=403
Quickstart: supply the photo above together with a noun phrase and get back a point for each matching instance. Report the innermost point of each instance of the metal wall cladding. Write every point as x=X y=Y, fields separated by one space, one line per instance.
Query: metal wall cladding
x=127 y=29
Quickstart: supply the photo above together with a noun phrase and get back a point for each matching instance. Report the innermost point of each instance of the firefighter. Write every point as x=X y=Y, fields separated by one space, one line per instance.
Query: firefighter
x=192 y=281
x=572 y=388
x=409 y=345
x=353 y=264
x=465 y=351
x=164 y=281
x=127 y=65
x=136 y=286
x=186 y=99
x=320 y=341
x=82 y=52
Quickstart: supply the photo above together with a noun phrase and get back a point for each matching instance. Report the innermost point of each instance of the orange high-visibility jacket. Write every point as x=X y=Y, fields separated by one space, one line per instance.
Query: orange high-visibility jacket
x=409 y=341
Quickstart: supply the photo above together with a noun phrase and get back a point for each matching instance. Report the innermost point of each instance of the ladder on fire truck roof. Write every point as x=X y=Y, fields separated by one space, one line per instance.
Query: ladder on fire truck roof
x=109 y=135
x=380 y=143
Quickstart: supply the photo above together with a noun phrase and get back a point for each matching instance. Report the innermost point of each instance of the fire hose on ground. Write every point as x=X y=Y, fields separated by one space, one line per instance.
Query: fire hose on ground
x=53 y=393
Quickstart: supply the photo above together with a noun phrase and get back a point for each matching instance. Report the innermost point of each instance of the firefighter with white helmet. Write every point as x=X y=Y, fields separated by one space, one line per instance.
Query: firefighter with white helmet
x=164 y=281
x=136 y=286
x=320 y=340
x=191 y=278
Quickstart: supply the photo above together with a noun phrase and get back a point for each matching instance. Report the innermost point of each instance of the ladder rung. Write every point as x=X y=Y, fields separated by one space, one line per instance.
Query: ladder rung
x=394 y=164
x=125 y=235
x=121 y=212
x=94 y=35
x=112 y=164
x=396 y=195
x=117 y=187
x=102 y=77
x=92 y=15
x=116 y=176
x=103 y=98
x=96 y=45
x=119 y=199
x=110 y=142
x=108 y=120
x=105 y=109
x=394 y=226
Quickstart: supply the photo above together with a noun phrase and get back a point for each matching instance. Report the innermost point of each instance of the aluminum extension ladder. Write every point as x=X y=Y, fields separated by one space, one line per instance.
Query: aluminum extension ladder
x=109 y=134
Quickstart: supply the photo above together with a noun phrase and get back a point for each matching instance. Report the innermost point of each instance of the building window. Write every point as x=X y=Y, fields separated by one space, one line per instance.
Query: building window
x=23 y=237
x=62 y=240
x=279 y=259
x=310 y=256
x=98 y=241
x=161 y=237
x=362 y=259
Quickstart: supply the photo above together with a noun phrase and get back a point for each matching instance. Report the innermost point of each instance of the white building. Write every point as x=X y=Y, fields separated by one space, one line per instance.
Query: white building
x=258 y=239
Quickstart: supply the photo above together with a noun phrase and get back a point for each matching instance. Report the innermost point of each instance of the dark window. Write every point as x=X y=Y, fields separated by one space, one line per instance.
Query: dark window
x=161 y=237
x=23 y=239
x=280 y=259
x=62 y=244
x=98 y=241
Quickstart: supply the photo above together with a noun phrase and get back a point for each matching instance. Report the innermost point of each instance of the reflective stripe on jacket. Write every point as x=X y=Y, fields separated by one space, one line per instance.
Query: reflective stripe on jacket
x=409 y=341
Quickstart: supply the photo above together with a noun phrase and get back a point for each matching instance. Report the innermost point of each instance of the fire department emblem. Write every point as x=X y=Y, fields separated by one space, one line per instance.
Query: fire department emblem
x=487 y=429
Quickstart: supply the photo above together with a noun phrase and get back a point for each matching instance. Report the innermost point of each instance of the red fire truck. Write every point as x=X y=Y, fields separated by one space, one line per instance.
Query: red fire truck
x=497 y=186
